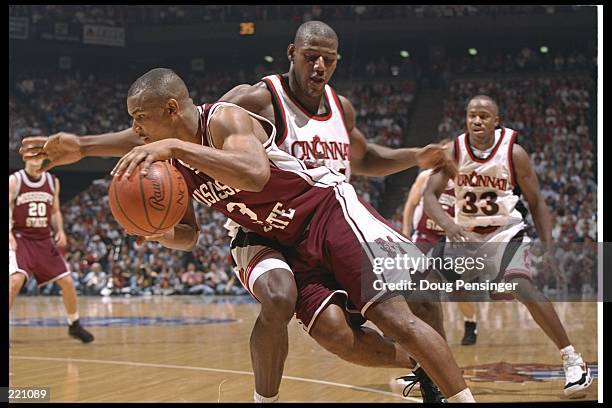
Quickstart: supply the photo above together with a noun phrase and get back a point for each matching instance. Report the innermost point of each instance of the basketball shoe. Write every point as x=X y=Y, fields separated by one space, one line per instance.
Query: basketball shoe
x=469 y=337
x=417 y=380
x=577 y=376
x=78 y=332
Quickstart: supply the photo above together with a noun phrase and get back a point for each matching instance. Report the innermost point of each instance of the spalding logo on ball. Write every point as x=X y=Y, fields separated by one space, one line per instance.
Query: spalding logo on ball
x=149 y=204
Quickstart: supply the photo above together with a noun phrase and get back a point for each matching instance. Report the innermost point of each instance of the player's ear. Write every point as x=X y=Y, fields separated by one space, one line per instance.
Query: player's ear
x=172 y=106
x=496 y=121
x=291 y=52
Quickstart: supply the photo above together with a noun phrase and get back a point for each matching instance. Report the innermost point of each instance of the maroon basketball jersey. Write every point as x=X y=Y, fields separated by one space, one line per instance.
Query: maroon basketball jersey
x=283 y=209
x=33 y=205
x=423 y=224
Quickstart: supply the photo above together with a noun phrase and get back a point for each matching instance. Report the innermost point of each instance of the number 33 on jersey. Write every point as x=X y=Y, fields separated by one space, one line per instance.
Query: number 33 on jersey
x=483 y=187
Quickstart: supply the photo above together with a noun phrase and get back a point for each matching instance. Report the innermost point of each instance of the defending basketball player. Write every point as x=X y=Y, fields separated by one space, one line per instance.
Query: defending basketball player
x=485 y=213
x=317 y=126
x=34 y=215
x=427 y=234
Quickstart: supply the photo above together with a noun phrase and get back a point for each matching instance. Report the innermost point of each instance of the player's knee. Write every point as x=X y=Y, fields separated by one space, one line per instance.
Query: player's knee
x=403 y=327
x=524 y=291
x=16 y=282
x=332 y=331
x=278 y=294
x=426 y=310
x=65 y=281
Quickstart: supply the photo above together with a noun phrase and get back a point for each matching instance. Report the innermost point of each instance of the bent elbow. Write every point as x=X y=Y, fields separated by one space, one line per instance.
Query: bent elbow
x=259 y=179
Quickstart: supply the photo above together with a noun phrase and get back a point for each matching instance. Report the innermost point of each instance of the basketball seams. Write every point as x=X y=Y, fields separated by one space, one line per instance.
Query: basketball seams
x=169 y=178
x=116 y=195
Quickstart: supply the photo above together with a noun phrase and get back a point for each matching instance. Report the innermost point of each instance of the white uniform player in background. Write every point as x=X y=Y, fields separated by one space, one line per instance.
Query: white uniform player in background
x=490 y=165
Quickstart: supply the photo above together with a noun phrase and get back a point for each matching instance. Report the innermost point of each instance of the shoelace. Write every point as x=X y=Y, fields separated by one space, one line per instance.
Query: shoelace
x=413 y=381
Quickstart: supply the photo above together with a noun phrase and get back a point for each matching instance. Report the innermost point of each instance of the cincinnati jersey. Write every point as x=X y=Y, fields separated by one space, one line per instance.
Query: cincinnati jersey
x=483 y=186
x=317 y=140
x=33 y=205
x=283 y=209
x=423 y=224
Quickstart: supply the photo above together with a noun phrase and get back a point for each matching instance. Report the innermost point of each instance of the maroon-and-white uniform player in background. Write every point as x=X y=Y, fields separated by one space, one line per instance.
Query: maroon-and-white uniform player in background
x=35 y=227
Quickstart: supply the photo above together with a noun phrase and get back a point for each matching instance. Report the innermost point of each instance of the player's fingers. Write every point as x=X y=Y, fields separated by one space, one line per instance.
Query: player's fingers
x=134 y=161
x=117 y=171
x=147 y=163
x=48 y=165
x=34 y=141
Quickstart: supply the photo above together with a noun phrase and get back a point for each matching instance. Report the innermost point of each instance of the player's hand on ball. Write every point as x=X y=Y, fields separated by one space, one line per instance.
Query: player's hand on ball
x=60 y=239
x=59 y=149
x=435 y=156
x=146 y=154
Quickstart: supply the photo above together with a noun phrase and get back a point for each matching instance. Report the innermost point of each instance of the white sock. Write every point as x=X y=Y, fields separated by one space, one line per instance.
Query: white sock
x=470 y=319
x=259 y=399
x=568 y=351
x=462 y=396
x=416 y=367
x=73 y=317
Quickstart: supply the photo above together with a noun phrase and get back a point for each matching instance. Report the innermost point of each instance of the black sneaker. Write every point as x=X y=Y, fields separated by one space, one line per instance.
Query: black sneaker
x=469 y=338
x=78 y=332
x=420 y=379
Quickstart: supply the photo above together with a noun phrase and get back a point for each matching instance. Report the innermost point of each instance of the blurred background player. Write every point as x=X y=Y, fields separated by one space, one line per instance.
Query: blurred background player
x=490 y=166
x=427 y=234
x=34 y=214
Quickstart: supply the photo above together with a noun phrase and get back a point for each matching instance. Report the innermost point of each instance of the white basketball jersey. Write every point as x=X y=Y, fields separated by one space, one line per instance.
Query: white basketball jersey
x=483 y=187
x=317 y=140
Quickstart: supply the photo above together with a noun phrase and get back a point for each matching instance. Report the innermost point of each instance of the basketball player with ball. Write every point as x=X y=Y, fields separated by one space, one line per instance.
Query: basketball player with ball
x=312 y=121
x=230 y=163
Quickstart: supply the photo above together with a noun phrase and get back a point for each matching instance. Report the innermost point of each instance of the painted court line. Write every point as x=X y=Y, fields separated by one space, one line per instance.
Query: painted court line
x=218 y=370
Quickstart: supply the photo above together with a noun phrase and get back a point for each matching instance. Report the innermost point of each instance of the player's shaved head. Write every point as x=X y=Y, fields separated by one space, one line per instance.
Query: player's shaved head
x=314 y=29
x=483 y=97
x=160 y=84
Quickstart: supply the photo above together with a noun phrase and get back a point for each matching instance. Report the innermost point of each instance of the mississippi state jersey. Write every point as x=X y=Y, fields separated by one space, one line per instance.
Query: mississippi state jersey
x=483 y=186
x=317 y=140
x=33 y=205
x=421 y=221
x=283 y=209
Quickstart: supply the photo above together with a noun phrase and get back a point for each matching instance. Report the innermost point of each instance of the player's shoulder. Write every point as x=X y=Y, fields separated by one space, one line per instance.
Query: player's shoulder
x=254 y=98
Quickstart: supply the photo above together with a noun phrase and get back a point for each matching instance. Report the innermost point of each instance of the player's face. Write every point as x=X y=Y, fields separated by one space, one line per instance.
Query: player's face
x=481 y=120
x=313 y=64
x=149 y=120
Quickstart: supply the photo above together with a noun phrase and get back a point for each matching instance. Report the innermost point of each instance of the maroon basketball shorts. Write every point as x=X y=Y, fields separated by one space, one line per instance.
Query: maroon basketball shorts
x=341 y=255
x=426 y=241
x=37 y=257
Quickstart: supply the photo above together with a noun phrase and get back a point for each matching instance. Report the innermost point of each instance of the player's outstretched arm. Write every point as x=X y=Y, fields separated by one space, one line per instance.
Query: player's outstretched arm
x=433 y=188
x=66 y=148
x=237 y=159
x=528 y=182
x=370 y=159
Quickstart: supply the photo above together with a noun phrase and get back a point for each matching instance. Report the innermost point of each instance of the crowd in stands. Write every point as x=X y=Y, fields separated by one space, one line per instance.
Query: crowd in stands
x=553 y=118
x=139 y=15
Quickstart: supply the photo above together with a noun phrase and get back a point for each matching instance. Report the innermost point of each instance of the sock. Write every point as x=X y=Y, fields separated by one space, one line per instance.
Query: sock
x=470 y=319
x=568 y=351
x=258 y=398
x=416 y=367
x=73 y=318
x=462 y=396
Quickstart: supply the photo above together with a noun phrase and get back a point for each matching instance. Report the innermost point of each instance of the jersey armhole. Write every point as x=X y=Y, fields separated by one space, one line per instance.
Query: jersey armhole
x=456 y=149
x=510 y=161
x=279 y=113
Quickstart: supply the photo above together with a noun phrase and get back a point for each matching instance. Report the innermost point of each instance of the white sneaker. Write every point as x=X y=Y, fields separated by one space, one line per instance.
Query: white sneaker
x=577 y=376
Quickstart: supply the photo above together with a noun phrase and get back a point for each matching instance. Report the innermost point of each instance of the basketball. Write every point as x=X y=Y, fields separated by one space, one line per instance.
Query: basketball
x=149 y=204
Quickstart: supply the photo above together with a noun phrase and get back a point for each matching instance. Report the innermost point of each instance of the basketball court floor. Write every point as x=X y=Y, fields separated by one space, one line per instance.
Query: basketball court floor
x=196 y=349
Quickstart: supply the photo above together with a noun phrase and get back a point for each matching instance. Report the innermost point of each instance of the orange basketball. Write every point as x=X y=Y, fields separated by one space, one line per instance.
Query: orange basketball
x=151 y=204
